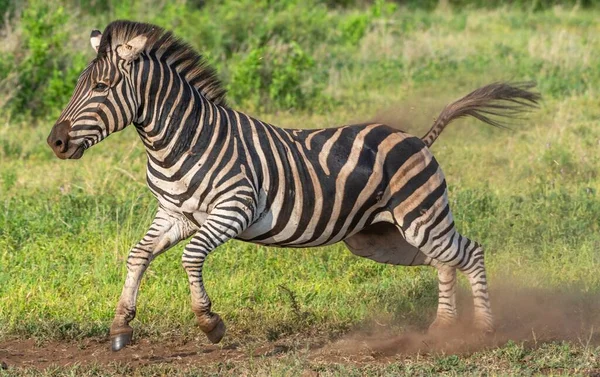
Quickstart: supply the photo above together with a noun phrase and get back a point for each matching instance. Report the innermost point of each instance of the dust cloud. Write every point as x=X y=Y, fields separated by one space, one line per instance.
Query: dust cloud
x=414 y=115
x=531 y=316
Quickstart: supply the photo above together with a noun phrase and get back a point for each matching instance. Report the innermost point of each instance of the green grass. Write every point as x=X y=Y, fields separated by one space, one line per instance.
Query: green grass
x=530 y=196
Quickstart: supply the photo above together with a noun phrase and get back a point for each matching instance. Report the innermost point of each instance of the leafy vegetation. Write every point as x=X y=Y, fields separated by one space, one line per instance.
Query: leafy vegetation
x=530 y=196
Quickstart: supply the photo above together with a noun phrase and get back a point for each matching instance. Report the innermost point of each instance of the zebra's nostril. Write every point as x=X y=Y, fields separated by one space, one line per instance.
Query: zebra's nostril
x=58 y=139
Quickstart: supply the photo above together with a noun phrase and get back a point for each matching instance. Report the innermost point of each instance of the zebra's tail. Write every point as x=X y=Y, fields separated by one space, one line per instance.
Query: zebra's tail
x=504 y=100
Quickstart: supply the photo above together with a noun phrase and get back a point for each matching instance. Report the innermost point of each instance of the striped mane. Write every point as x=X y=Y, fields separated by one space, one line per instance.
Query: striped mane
x=191 y=65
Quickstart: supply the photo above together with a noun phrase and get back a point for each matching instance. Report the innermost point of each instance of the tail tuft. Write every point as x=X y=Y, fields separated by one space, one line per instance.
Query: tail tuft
x=504 y=100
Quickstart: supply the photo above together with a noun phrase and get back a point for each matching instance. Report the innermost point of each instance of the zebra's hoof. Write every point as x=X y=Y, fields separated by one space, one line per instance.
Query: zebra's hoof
x=485 y=329
x=119 y=341
x=440 y=326
x=216 y=334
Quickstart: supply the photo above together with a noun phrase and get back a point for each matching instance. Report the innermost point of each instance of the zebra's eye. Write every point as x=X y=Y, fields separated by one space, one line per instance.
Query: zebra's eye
x=100 y=87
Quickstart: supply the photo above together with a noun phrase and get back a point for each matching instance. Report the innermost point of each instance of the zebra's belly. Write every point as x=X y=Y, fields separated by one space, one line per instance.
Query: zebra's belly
x=266 y=231
x=305 y=240
x=266 y=224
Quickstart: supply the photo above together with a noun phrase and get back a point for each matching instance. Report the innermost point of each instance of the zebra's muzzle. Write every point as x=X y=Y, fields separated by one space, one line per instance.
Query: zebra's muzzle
x=61 y=144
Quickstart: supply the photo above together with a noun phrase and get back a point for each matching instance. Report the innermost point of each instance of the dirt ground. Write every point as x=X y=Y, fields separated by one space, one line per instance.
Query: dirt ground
x=532 y=317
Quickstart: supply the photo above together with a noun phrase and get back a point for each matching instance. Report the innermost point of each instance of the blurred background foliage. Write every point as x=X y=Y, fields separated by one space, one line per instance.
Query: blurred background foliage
x=272 y=55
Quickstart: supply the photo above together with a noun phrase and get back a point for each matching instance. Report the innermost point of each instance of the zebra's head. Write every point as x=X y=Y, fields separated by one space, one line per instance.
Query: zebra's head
x=134 y=60
x=104 y=99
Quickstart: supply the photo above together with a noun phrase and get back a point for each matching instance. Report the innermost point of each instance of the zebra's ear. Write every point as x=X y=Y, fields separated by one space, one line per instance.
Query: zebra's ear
x=131 y=50
x=95 y=38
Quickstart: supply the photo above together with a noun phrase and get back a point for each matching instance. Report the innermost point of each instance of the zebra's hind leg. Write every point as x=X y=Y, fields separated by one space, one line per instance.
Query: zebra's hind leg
x=437 y=238
x=458 y=252
x=446 y=312
x=382 y=242
x=473 y=266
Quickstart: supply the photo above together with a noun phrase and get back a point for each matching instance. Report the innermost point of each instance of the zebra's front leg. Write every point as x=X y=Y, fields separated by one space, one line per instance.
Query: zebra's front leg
x=166 y=230
x=220 y=226
x=193 y=260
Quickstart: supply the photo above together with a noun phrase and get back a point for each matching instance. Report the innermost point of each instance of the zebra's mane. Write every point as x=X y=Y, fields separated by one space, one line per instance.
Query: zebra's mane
x=193 y=66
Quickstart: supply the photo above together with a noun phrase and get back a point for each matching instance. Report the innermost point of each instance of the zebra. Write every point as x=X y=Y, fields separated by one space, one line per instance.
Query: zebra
x=219 y=174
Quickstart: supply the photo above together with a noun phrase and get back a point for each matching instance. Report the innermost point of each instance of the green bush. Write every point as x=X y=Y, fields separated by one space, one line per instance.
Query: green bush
x=46 y=71
x=272 y=55
x=277 y=76
x=246 y=81
x=354 y=28
x=289 y=65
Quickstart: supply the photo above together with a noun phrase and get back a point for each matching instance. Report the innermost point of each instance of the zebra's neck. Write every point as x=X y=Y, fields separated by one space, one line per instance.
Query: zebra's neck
x=173 y=119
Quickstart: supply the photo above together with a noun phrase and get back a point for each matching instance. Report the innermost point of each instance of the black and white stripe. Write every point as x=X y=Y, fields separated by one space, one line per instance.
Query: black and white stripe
x=219 y=174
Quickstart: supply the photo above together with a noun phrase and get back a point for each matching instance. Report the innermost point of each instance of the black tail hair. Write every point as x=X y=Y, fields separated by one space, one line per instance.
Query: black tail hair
x=499 y=99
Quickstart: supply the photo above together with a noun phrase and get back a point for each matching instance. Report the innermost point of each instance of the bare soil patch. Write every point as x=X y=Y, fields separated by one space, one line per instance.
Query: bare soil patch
x=26 y=353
